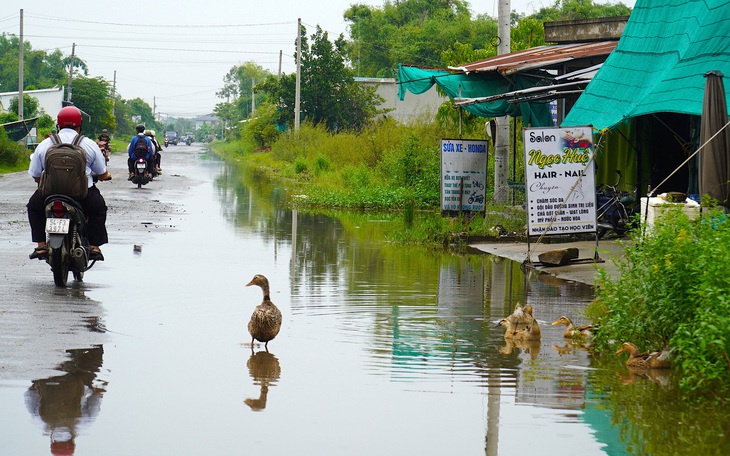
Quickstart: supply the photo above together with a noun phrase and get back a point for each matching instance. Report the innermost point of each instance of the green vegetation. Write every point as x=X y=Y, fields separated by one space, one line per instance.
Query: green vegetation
x=673 y=291
x=13 y=156
x=387 y=167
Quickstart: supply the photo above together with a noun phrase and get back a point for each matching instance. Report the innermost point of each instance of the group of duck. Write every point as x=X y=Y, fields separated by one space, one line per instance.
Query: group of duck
x=521 y=325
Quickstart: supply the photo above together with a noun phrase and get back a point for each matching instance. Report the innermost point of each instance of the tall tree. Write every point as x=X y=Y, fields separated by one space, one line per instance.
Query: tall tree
x=238 y=88
x=329 y=93
x=413 y=32
x=93 y=97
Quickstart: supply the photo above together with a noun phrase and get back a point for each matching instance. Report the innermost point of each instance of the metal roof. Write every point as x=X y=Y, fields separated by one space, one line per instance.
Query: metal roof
x=538 y=57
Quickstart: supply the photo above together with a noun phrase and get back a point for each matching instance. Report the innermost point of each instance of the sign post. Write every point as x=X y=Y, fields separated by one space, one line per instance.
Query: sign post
x=560 y=181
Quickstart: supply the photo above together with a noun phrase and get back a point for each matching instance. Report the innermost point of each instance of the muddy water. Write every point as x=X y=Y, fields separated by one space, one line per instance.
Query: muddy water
x=383 y=350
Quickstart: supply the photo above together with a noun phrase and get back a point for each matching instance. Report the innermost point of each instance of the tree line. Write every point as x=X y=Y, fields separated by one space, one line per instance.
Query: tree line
x=426 y=33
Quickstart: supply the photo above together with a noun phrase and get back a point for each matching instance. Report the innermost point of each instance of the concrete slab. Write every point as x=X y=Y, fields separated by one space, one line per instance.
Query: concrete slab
x=584 y=270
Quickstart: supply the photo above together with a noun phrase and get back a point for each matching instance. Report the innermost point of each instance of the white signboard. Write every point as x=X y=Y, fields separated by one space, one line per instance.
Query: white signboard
x=559 y=180
x=463 y=174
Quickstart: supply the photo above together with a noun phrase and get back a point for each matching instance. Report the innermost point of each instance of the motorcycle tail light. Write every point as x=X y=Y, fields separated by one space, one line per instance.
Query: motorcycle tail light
x=57 y=209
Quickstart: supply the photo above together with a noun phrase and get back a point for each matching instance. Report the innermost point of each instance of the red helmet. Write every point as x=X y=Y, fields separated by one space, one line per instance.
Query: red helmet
x=70 y=117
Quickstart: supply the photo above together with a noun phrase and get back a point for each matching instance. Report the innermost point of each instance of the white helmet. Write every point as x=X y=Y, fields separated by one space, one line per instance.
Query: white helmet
x=153 y=132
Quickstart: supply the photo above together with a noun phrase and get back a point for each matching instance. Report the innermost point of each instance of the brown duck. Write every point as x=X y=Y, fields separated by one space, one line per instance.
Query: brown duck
x=652 y=360
x=572 y=331
x=529 y=333
x=521 y=317
x=266 y=319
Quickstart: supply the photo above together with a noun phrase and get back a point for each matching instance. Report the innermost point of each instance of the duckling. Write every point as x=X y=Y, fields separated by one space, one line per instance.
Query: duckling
x=532 y=332
x=521 y=317
x=652 y=360
x=509 y=328
x=266 y=319
x=572 y=331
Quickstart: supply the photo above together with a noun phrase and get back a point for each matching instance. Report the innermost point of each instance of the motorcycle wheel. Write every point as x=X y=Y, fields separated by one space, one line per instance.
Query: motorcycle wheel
x=78 y=276
x=139 y=184
x=59 y=268
x=618 y=224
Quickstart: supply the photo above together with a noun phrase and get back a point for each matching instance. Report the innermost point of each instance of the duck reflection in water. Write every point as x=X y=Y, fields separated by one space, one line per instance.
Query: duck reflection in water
x=532 y=347
x=65 y=403
x=264 y=369
x=658 y=376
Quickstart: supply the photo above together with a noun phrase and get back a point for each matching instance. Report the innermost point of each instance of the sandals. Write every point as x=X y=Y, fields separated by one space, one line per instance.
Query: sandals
x=95 y=254
x=39 y=252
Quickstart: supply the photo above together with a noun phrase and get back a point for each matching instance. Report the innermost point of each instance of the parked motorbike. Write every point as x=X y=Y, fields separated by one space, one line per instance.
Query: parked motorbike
x=615 y=209
x=68 y=247
x=141 y=176
x=105 y=149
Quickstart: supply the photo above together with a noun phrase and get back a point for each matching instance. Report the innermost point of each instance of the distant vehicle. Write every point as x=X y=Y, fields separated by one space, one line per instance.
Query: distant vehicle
x=190 y=135
x=172 y=137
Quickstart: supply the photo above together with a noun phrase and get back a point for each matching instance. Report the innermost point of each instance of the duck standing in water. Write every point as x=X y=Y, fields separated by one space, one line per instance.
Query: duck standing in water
x=652 y=360
x=572 y=331
x=266 y=319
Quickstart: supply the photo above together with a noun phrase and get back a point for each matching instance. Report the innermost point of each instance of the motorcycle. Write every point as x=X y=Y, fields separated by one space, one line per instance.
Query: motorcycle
x=615 y=209
x=188 y=141
x=167 y=141
x=105 y=149
x=68 y=247
x=141 y=176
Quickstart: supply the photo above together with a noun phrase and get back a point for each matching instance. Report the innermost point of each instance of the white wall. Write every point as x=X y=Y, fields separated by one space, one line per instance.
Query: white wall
x=49 y=100
x=413 y=106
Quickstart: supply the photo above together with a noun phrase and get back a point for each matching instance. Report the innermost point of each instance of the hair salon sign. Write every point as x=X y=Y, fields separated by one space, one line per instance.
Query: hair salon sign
x=559 y=180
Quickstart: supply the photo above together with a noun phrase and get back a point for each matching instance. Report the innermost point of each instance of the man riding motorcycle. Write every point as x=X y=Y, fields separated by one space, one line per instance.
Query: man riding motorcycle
x=148 y=154
x=69 y=125
x=104 y=143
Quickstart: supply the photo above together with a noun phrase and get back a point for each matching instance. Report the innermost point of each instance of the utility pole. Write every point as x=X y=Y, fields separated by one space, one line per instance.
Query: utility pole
x=114 y=93
x=253 y=96
x=154 y=107
x=278 y=75
x=21 y=59
x=299 y=75
x=502 y=140
x=71 y=72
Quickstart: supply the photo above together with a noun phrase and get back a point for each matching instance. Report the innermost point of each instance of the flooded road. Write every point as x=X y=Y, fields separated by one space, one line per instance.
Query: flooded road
x=383 y=349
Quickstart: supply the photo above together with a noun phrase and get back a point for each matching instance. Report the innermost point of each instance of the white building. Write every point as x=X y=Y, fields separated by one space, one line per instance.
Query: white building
x=49 y=100
x=408 y=109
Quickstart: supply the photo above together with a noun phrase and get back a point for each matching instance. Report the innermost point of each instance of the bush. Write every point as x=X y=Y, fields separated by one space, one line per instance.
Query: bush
x=13 y=156
x=673 y=291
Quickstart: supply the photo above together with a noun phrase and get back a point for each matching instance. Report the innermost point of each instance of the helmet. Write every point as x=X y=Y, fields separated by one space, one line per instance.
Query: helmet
x=69 y=117
x=153 y=132
x=104 y=130
x=148 y=132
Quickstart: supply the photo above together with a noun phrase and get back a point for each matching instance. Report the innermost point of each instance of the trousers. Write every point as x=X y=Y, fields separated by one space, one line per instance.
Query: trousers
x=94 y=208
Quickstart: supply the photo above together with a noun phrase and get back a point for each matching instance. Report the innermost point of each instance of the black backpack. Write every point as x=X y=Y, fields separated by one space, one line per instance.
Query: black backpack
x=64 y=172
x=140 y=147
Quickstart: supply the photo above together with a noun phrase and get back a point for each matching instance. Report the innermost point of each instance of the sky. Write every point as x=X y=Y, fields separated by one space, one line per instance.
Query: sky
x=175 y=54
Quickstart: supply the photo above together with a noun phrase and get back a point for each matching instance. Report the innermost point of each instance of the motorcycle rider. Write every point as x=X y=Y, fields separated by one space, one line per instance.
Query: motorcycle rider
x=104 y=136
x=156 y=158
x=140 y=136
x=69 y=125
x=104 y=142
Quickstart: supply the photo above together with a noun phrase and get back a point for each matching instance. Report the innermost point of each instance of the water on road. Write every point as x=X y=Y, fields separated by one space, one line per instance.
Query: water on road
x=383 y=349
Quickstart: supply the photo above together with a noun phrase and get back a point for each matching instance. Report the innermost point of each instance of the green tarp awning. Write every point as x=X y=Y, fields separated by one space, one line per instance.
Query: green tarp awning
x=659 y=63
x=460 y=85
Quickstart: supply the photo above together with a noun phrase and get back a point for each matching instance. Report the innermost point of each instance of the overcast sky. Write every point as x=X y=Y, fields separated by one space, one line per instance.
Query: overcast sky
x=174 y=54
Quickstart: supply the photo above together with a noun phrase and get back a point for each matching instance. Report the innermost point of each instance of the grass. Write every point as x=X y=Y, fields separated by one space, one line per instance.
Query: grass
x=673 y=290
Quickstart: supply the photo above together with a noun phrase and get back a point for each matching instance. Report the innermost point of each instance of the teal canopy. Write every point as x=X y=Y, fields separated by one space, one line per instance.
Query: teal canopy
x=659 y=63
x=461 y=85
